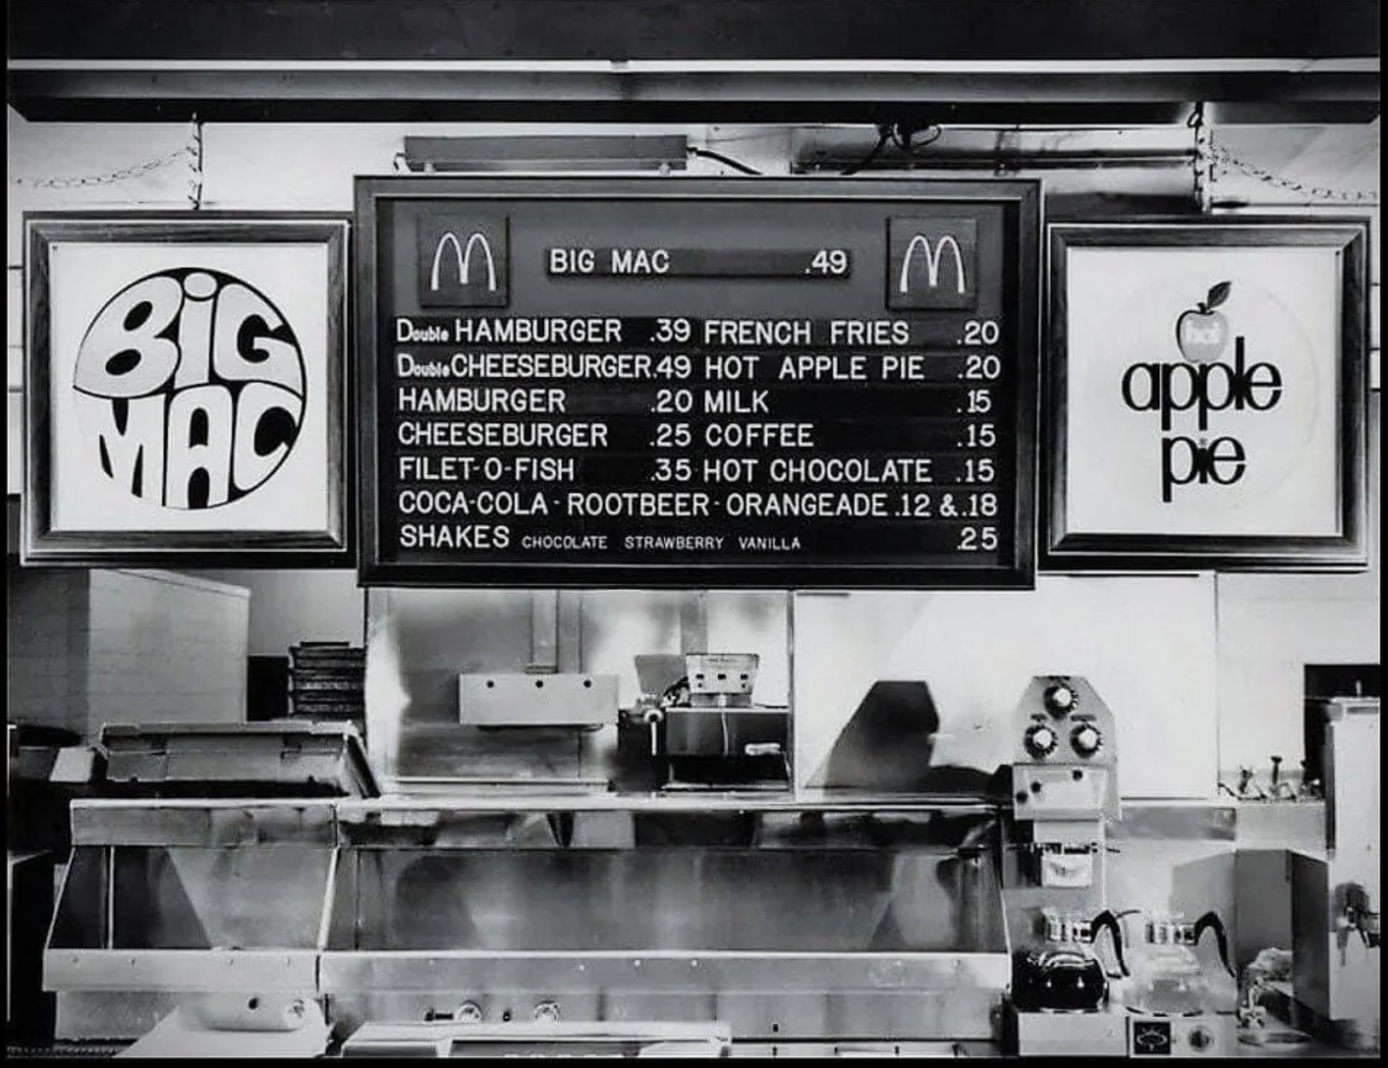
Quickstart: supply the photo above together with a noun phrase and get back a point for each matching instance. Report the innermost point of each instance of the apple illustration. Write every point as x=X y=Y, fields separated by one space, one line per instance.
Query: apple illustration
x=1202 y=332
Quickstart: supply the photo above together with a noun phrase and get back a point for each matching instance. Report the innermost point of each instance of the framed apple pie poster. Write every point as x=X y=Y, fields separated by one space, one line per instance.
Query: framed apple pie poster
x=186 y=389
x=1204 y=395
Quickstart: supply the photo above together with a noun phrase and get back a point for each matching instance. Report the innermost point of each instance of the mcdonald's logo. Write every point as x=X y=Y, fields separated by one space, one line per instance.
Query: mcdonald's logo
x=463 y=261
x=932 y=263
x=933 y=255
x=463 y=256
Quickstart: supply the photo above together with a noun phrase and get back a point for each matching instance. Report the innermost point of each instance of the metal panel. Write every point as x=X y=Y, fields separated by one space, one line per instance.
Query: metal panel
x=200 y=823
x=179 y=971
x=511 y=700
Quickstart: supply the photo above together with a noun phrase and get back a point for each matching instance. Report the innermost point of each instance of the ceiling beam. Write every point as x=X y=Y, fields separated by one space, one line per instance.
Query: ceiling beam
x=536 y=30
x=247 y=94
x=693 y=61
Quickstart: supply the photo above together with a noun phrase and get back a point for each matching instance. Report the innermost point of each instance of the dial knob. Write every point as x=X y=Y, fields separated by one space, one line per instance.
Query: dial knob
x=1086 y=739
x=546 y=1012
x=1060 y=699
x=1040 y=740
x=468 y=1012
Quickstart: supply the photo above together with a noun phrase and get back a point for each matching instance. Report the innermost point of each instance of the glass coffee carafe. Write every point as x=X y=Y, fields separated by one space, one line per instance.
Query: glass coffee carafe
x=1167 y=976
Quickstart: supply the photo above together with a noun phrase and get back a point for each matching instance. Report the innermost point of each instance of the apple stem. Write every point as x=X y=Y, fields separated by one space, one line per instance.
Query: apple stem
x=1204 y=308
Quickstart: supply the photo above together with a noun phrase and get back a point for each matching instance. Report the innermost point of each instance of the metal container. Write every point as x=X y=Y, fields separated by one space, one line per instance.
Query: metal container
x=852 y=929
x=205 y=904
x=1336 y=897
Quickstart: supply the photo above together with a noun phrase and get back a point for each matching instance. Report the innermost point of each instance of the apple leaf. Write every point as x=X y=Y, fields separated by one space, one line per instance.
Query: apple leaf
x=1218 y=294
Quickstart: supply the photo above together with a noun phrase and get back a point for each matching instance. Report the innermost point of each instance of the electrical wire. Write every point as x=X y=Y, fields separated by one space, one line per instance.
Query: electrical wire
x=727 y=161
x=884 y=134
x=903 y=138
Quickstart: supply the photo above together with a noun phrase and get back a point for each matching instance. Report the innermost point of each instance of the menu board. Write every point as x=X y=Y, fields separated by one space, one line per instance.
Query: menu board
x=700 y=383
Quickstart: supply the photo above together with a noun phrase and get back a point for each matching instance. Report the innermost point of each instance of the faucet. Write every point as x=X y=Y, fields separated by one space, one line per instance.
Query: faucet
x=1280 y=790
x=1247 y=785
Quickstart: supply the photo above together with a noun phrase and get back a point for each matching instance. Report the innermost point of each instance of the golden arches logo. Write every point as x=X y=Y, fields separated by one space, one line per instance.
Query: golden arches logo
x=463 y=255
x=933 y=256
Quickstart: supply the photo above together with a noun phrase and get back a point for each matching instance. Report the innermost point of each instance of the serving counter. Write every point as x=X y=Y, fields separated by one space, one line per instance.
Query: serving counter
x=783 y=923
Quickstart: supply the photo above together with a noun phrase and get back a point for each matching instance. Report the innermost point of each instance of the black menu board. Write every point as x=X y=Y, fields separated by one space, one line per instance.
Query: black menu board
x=697 y=382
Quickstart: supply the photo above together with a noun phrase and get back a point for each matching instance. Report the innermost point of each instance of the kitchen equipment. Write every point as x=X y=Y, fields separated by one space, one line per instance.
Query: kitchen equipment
x=843 y=924
x=1335 y=897
x=1171 y=1002
x=462 y=1038
x=281 y=758
x=1064 y=778
x=703 y=730
x=1167 y=977
x=537 y=700
x=169 y=901
x=1064 y=974
x=1060 y=990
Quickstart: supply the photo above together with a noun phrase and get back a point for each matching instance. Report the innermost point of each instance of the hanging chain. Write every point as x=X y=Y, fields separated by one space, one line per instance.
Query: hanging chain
x=1310 y=194
x=1202 y=169
x=194 y=150
x=124 y=174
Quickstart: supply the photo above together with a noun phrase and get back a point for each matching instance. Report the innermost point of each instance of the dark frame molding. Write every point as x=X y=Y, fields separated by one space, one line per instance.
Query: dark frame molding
x=1022 y=198
x=1063 y=550
x=41 y=545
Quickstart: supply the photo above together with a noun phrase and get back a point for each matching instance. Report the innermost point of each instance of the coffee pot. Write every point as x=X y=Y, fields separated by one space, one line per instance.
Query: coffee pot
x=1167 y=977
x=1065 y=974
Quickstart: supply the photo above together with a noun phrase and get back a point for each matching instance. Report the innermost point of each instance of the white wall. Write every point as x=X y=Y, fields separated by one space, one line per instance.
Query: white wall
x=95 y=647
x=165 y=648
x=289 y=607
x=1146 y=645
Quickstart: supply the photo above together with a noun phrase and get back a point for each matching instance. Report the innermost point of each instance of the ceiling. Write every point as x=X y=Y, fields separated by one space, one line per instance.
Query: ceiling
x=662 y=61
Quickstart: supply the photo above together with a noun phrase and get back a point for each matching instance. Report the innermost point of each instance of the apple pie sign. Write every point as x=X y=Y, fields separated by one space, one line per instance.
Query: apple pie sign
x=190 y=385
x=1218 y=378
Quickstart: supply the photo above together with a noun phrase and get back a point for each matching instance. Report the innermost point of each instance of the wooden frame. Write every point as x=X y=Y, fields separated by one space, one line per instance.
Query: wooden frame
x=186 y=389
x=1205 y=395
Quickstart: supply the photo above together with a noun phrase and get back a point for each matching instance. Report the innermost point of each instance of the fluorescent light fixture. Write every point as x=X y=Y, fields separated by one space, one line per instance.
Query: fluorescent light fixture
x=545 y=153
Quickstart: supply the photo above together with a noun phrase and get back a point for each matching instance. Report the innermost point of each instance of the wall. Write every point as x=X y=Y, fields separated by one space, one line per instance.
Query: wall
x=46 y=620
x=1261 y=628
x=165 y=648
x=420 y=641
x=1270 y=626
x=289 y=607
x=1146 y=645
x=92 y=647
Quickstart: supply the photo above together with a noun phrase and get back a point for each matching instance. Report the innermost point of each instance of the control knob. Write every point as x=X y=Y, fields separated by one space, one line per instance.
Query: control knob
x=1086 y=739
x=1040 y=740
x=546 y=1012
x=1060 y=699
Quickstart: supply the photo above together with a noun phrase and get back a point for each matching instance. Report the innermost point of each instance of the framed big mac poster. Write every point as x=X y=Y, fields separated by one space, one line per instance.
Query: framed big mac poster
x=186 y=389
x=1204 y=395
